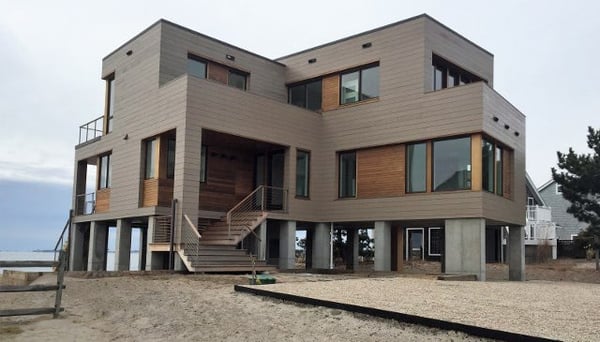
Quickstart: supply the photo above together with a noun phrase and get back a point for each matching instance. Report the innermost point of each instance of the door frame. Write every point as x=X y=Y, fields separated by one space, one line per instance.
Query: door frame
x=407 y=244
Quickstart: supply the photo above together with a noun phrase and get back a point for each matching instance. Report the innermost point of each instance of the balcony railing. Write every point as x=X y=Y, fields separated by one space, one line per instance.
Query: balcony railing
x=85 y=204
x=91 y=130
x=539 y=213
x=540 y=231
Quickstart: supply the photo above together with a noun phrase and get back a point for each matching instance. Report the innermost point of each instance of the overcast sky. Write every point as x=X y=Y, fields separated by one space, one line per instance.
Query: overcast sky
x=51 y=52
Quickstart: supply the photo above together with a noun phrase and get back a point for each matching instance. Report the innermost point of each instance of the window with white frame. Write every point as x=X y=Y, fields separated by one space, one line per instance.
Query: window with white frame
x=436 y=241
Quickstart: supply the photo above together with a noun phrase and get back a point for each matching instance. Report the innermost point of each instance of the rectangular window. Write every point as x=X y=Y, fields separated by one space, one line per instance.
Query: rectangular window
x=499 y=166
x=452 y=164
x=347 y=174
x=150 y=159
x=307 y=95
x=105 y=177
x=436 y=241
x=362 y=84
x=110 y=102
x=203 y=159
x=487 y=165
x=196 y=66
x=448 y=75
x=237 y=79
x=302 y=173
x=171 y=158
x=416 y=167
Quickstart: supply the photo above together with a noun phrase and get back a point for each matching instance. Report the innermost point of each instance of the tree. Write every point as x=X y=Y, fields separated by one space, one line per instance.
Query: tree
x=580 y=181
x=365 y=244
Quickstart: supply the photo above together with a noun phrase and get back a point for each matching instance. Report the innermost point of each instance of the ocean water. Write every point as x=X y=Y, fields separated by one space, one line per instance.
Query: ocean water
x=6 y=255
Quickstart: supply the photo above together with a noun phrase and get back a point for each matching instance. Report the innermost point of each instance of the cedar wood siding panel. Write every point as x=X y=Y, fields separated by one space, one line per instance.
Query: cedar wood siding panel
x=267 y=78
x=102 y=200
x=380 y=172
x=218 y=73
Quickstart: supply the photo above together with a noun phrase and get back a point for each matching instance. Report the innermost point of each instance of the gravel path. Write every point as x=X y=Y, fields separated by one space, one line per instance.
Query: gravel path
x=560 y=310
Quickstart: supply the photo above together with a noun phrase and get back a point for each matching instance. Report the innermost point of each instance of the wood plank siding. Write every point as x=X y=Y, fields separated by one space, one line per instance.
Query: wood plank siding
x=331 y=92
x=218 y=73
x=476 y=162
x=103 y=200
x=380 y=172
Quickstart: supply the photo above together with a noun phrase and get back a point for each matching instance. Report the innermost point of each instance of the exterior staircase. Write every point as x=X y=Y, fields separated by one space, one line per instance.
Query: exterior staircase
x=215 y=248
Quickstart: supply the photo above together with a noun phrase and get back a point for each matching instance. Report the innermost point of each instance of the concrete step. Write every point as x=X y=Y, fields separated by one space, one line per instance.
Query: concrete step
x=222 y=242
x=232 y=268
x=190 y=252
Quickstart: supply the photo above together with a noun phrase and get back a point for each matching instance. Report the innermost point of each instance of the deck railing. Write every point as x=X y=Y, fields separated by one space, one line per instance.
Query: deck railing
x=91 y=130
x=264 y=198
x=85 y=204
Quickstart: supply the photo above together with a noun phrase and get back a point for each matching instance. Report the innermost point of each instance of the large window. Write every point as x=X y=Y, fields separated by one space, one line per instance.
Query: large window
x=416 y=167
x=237 y=79
x=452 y=164
x=307 y=95
x=150 y=158
x=110 y=102
x=171 y=158
x=196 y=66
x=302 y=173
x=347 y=173
x=105 y=176
x=203 y=159
x=492 y=167
x=448 y=75
x=436 y=241
x=358 y=85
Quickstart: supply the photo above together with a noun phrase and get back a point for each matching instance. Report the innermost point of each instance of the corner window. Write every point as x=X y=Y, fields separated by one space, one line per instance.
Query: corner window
x=110 y=102
x=359 y=85
x=150 y=166
x=452 y=164
x=196 y=66
x=203 y=159
x=302 y=173
x=105 y=177
x=347 y=174
x=307 y=95
x=237 y=80
x=492 y=167
x=170 y=158
x=448 y=75
x=416 y=167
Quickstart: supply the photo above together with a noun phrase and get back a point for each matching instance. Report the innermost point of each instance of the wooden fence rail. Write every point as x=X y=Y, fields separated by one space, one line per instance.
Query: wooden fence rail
x=60 y=277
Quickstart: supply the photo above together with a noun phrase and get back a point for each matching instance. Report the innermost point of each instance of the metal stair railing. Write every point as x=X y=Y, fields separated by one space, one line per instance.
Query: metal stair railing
x=263 y=198
x=190 y=237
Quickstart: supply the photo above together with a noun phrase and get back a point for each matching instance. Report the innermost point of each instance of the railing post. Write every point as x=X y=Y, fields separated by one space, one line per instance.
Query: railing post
x=262 y=199
x=172 y=234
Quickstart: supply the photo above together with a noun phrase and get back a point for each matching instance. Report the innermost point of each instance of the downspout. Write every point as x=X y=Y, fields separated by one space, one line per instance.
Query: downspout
x=331 y=247
x=172 y=235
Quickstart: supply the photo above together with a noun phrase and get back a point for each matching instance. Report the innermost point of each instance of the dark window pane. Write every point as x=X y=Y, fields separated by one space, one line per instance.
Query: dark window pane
x=298 y=95
x=237 y=80
x=105 y=172
x=452 y=164
x=314 y=95
x=452 y=79
x=110 y=104
x=369 y=83
x=203 y=159
x=487 y=166
x=438 y=76
x=417 y=167
x=302 y=173
x=196 y=68
x=171 y=158
x=349 y=91
x=347 y=174
x=435 y=241
x=499 y=189
x=150 y=167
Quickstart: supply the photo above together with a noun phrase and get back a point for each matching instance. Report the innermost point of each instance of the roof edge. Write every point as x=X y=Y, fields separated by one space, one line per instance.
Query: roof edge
x=403 y=21
x=545 y=185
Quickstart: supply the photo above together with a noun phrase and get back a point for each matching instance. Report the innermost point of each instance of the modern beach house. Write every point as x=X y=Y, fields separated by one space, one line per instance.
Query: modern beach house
x=398 y=129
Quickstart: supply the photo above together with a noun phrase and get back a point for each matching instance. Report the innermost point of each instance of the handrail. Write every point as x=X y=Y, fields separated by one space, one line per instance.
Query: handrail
x=192 y=225
x=186 y=238
x=61 y=238
x=263 y=198
x=92 y=127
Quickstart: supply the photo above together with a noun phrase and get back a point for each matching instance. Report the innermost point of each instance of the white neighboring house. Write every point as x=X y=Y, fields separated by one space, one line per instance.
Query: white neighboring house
x=540 y=229
x=567 y=225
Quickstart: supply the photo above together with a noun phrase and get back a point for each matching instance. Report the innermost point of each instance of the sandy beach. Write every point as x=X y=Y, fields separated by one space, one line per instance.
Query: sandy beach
x=189 y=307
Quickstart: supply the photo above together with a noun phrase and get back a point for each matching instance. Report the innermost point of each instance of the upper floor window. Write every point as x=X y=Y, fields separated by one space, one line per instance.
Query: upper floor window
x=196 y=66
x=359 y=85
x=347 y=174
x=105 y=177
x=110 y=102
x=150 y=166
x=306 y=95
x=558 y=188
x=452 y=164
x=448 y=75
x=237 y=79
x=492 y=167
x=171 y=158
x=203 y=160
x=302 y=173
x=416 y=167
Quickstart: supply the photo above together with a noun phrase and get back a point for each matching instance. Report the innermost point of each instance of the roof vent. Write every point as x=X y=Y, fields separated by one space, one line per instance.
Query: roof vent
x=129 y=53
x=367 y=45
x=230 y=57
x=312 y=60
